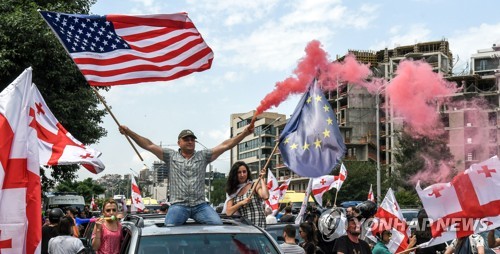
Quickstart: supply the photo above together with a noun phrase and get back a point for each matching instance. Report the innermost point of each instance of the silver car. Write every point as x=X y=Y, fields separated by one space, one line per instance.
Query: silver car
x=145 y=234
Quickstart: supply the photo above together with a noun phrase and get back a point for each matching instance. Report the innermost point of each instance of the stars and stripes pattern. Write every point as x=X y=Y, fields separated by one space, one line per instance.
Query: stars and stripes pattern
x=128 y=49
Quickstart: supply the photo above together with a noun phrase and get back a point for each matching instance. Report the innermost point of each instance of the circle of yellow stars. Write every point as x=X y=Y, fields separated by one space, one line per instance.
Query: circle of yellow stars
x=326 y=133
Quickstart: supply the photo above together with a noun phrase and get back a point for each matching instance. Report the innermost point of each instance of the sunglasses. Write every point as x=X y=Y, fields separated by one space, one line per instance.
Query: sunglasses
x=109 y=210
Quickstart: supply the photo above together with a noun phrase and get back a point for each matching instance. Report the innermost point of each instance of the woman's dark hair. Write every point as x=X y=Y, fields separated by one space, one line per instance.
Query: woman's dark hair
x=308 y=229
x=66 y=226
x=232 y=179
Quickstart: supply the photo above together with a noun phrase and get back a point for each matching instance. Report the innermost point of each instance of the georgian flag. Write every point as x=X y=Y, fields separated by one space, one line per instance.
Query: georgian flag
x=370 y=195
x=322 y=184
x=136 y=202
x=20 y=190
x=56 y=145
x=93 y=205
x=272 y=183
x=469 y=204
x=277 y=194
x=389 y=215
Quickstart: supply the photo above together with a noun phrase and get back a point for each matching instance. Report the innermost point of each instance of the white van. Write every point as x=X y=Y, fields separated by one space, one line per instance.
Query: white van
x=64 y=200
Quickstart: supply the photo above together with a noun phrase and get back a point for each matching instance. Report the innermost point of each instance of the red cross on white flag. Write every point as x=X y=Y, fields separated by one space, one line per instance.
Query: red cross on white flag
x=370 y=194
x=389 y=217
x=56 y=145
x=276 y=195
x=20 y=191
x=322 y=184
x=469 y=204
x=136 y=203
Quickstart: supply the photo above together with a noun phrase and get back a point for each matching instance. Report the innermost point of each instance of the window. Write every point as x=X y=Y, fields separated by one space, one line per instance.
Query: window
x=469 y=140
x=470 y=156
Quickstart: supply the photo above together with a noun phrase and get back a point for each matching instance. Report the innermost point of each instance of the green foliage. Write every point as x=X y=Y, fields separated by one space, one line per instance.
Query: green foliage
x=26 y=40
x=408 y=198
x=219 y=194
x=86 y=188
x=360 y=174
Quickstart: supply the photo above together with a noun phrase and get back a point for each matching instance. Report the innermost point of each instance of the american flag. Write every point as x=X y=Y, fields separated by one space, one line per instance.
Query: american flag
x=129 y=49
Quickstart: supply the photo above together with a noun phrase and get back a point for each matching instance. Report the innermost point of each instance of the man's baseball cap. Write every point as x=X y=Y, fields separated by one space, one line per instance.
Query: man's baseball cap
x=186 y=133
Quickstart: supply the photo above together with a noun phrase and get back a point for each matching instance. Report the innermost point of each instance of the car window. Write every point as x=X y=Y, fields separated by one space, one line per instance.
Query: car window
x=410 y=215
x=207 y=243
x=125 y=244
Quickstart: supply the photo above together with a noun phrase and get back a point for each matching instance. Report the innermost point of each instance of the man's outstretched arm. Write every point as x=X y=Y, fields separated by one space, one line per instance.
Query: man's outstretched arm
x=142 y=142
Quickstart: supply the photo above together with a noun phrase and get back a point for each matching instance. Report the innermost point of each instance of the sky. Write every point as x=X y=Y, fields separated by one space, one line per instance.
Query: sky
x=258 y=43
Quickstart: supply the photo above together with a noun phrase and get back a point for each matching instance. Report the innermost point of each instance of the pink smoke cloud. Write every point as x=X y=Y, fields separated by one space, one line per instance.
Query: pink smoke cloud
x=315 y=64
x=414 y=95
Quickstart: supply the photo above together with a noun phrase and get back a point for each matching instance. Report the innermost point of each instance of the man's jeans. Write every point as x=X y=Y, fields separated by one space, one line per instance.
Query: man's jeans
x=202 y=213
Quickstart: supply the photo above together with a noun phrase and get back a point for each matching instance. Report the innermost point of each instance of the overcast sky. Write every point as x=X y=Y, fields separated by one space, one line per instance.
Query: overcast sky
x=257 y=43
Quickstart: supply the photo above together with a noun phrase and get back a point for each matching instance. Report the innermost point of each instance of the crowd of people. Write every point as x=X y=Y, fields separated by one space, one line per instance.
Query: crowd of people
x=245 y=197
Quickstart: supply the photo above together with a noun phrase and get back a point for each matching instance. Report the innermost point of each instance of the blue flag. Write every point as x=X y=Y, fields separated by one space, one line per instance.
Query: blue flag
x=311 y=144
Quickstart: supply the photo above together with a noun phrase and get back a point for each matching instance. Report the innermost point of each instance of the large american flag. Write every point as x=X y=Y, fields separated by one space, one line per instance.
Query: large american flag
x=129 y=49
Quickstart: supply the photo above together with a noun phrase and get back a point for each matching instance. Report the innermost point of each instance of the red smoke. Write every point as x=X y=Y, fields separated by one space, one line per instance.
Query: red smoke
x=414 y=95
x=315 y=64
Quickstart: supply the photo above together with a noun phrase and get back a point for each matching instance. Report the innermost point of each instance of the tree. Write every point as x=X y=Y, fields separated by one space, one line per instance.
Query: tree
x=26 y=40
x=219 y=194
x=360 y=174
x=410 y=160
x=87 y=188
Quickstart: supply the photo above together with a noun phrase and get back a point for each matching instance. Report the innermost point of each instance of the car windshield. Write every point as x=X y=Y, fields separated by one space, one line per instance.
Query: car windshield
x=207 y=243
x=410 y=215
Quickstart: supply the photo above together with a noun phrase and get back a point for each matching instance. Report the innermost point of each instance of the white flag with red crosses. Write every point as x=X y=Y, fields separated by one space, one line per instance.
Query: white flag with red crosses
x=322 y=184
x=469 y=204
x=136 y=203
x=276 y=193
x=56 y=145
x=20 y=190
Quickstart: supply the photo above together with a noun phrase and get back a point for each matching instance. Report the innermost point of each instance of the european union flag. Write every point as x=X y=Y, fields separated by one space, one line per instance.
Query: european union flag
x=311 y=144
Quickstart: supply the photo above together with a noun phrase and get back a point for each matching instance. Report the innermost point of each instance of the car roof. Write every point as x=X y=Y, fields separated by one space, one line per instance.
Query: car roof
x=158 y=229
x=153 y=224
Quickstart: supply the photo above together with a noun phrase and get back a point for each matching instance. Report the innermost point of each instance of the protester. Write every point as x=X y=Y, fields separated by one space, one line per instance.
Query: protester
x=187 y=174
x=468 y=244
x=423 y=234
x=163 y=209
x=288 y=216
x=239 y=187
x=107 y=233
x=383 y=238
x=306 y=231
x=50 y=230
x=65 y=243
x=350 y=243
x=492 y=241
x=72 y=213
x=290 y=246
x=270 y=219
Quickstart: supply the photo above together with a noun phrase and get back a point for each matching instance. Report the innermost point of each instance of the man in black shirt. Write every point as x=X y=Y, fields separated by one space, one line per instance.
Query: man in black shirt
x=50 y=230
x=288 y=217
x=351 y=243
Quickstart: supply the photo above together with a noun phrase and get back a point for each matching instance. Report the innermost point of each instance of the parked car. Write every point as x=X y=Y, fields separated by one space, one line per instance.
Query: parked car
x=410 y=216
x=146 y=233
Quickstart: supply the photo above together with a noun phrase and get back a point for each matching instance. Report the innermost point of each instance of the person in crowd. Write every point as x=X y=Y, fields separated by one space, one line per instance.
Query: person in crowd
x=423 y=234
x=383 y=238
x=86 y=210
x=107 y=233
x=163 y=209
x=65 y=243
x=187 y=174
x=350 y=243
x=290 y=246
x=306 y=231
x=352 y=211
x=492 y=241
x=468 y=244
x=270 y=219
x=288 y=216
x=50 y=230
x=239 y=187
x=72 y=213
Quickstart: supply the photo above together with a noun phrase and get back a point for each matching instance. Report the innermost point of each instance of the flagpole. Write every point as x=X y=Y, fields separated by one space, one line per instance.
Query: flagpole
x=116 y=120
x=265 y=166
x=335 y=201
